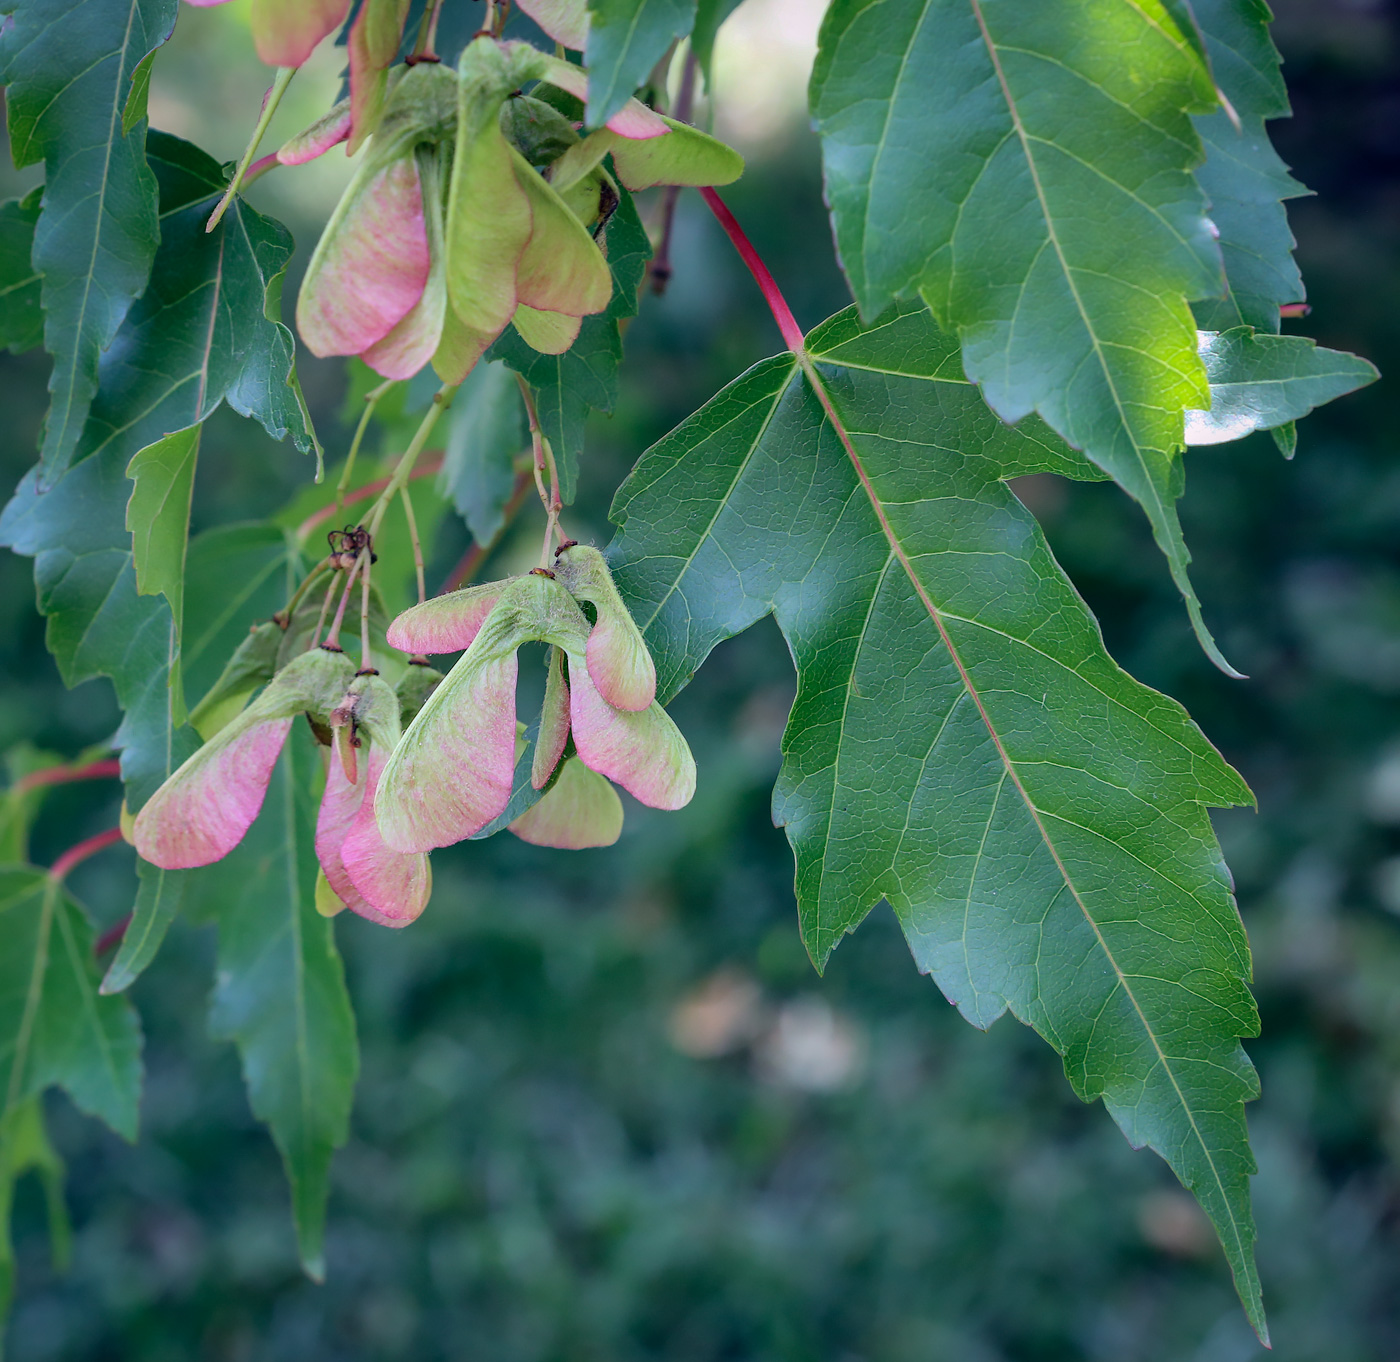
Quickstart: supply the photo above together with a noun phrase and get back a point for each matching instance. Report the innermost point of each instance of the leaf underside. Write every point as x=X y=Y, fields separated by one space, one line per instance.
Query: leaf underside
x=961 y=744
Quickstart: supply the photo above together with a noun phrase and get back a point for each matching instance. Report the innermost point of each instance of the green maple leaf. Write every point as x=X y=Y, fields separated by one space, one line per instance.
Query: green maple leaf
x=961 y=744
x=1034 y=187
x=71 y=67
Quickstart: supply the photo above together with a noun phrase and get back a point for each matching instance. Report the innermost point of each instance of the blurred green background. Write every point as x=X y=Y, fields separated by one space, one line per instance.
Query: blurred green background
x=608 y=1111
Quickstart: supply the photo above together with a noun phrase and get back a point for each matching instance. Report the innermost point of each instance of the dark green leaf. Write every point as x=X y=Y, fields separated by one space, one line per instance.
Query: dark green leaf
x=134 y=110
x=68 y=65
x=1261 y=381
x=961 y=744
x=238 y=576
x=21 y=313
x=585 y=376
x=159 y=896
x=626 y=38
x=1243 y=175
x=24 y=1148
x=1058 y=229
x=158 y=516
x=487 y=430
x=20 y=805
x=200 y=333
x=54 y=1027
x=280 y=994
x=709 y=16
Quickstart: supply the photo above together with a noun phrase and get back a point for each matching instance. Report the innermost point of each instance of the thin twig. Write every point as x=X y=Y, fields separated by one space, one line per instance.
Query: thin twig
x=544 y=465
x=61 y=775
x=112 y=937
x=442 y=400
x=332 y=639
x=75 y=855
x=371 y=402
x=415 y=541
x=321 y=619
x=425 y=46
x=473 y=558
x=363 y=493
x=661 y=262
x=365 y=665
x=782 y=313
x=270 y=102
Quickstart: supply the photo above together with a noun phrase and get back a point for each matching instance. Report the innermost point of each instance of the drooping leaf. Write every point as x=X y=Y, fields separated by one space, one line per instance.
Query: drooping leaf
x=487 y=430
x=1058 y=230
x=54 y=1027
x=158 y=516
x=961 y=744
x=137 y=100
x=159 y=897
x=1243 y=176
x=1262 y=381
x=280 y=994
x=584 y=376
x=21 y=312
x=709 y=18
x=68 y=66
x=626 y=38
x=25 y=1148
x=198 y=335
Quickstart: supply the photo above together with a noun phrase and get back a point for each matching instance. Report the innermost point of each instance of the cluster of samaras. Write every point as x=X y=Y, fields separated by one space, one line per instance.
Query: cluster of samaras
x=391 y=796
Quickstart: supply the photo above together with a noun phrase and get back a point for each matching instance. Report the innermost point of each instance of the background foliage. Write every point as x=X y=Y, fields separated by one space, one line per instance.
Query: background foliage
x=548 y=1159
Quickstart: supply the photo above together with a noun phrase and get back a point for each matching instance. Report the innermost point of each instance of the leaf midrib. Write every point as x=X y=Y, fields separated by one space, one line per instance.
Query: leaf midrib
x=117 y=105
x=897 y=548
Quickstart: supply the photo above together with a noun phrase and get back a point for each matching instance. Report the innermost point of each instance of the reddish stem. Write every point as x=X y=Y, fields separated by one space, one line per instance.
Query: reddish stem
x=473 y=558
x=262 y=164
x=75 y=855
x=370 y=489
x=112 y=937
x=61 y=775
x=782 y=313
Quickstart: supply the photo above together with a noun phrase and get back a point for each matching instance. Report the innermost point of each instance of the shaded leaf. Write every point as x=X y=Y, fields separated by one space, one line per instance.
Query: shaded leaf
x=961 y=745
x=709 y=18
x=585 y=375
x=487 y=430
x=1243 y=176
x=1261 y=381
x=54 y=1027
x=199 y=334
x=25 y=1148
x=21 y=313
x=159 y=896
x=1059 y=230
x=626 y=38
x=68 y=66
x=280 y=992
x=158 y=516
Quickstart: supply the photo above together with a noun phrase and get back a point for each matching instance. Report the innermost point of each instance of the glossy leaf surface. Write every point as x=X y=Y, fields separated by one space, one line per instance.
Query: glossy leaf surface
x=961 y=744
x=1243 y=175
x=198 y=336
x=1259 y=382
x=626 y=38
x=68 y=66
x=1059 y=231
